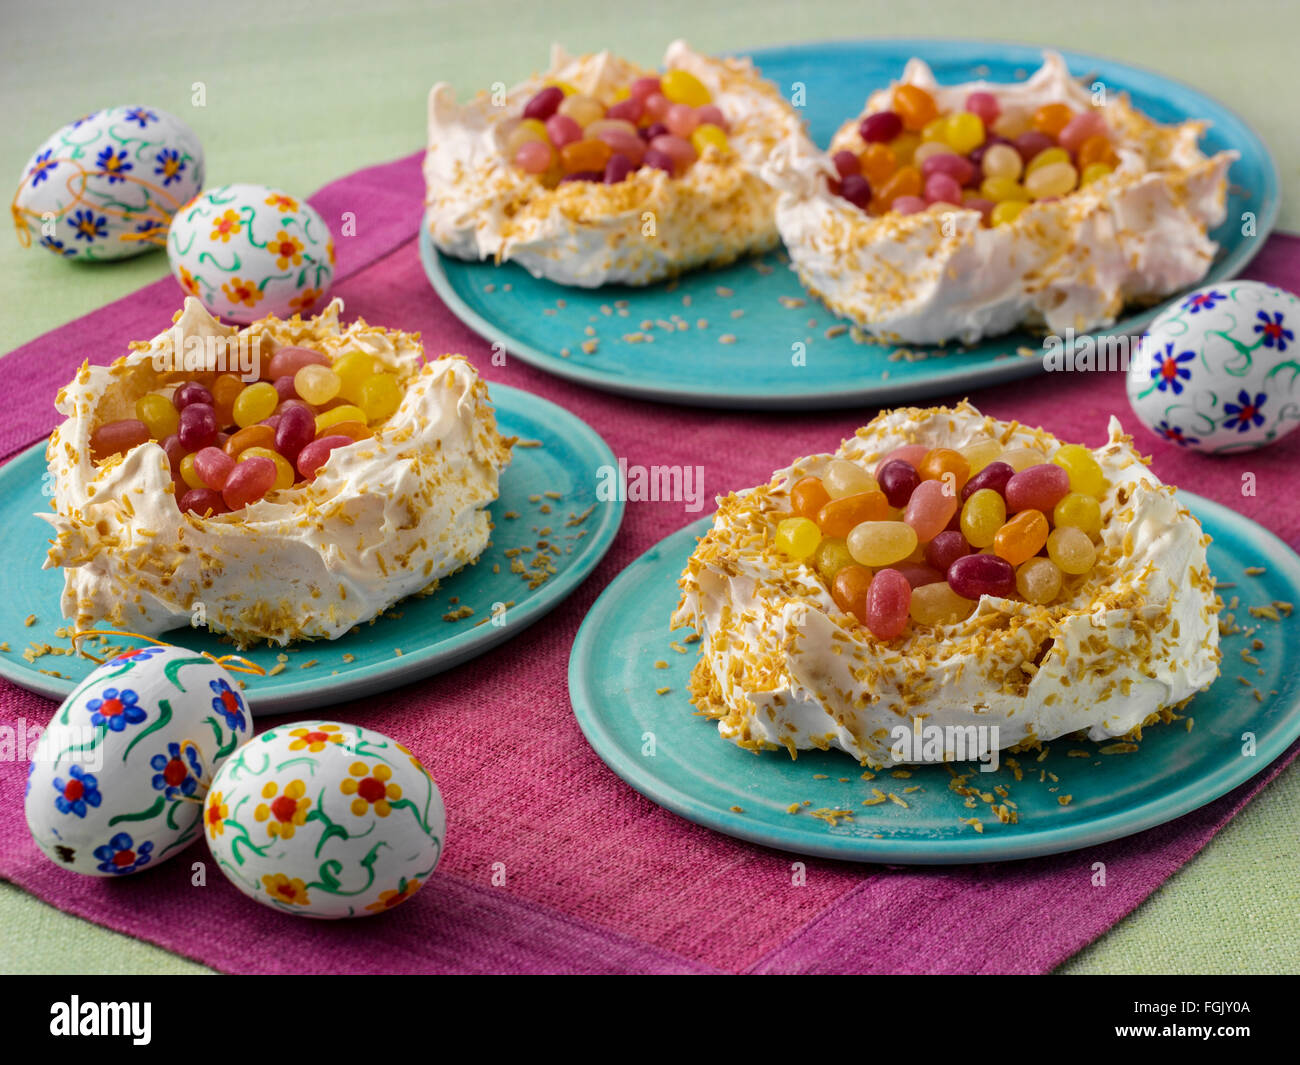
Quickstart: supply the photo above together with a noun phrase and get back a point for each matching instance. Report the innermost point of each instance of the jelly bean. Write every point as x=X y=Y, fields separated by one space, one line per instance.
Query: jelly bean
x=284 y=473
x=543 y=104
x=1080 y=128
x=656 y=106
x=225 y=390
x=191 y=392
x=985 y=105
x=1021 y=458
x=1038 y=581
x=535 y=157
x=174 y=450
x=629 y=110
x=159 y=415
x=1007 y=212
x=297 y=429
x=711 y=114
x=909 y=205
x=917 y=574
x=317 y=384
x=683 y=87
x=982 y=515
x=849 y=590
x=846 y=163
x=1038 y=487
x=284 y=388
x=1002 y=190
x=807 y=496
x=945 y=549
x=1001 y=160
x=1071 y=549
x=839 y=517
x=1056 y=179
x=942 y=188
x=881 y=127
x=985 y=208
x=562 y=130
x=352 y=430
x=881 y=543
x=658 y=160
x=904 y=147
x=931 y=150
x=609 y=125
x=1096 y=150
x=888 y=599
x=1094 y=172
x=979 y=453
x=583 y=175
x=642 y=88
x=831 y=556
x=1079 y=511
x=354 y=368
x=189 y=475
x=317 y=453
x=254 y=403
x=933 y=131
x=797 y=537
x=248 y=482
x=1084 y=471
x=972 y=576
x=1031 y=144
x=520 y=134
x=964 y=132
x=914 y=106
x=938 y=604
x=857 y=190
x=251 y=436
x=289 y=360
x=198 y=425
x=930 y=509
x=203 y=501
x=617 y=169
x=709 y=136
x=212 y=466
x=1022 y=537
x=1047 y=157
x=623 y=143
x=381 y=395
x=897 y=480
x=681 y=151
x=940 y=462
x=994 y=476
x=681 y=120
x=959 y=169
x=912 y=454
x=1011 y=126
x=1050 y=119
x=843 y=478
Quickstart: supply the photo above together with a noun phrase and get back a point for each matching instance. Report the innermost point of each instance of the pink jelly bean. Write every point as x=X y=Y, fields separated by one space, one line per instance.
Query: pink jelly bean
x=918 y=575
x=198 y=426
x=534 y=157
x=1080 y=128
x=846 y=163
x=1039 y=487
x=912 y=454
x=656 y=106
x=942 y=188
x=618 y=168
x=888 y=599
x=908 y=205
x=563 y=130
x=978 y=203
x=643 y=88
x=712 y=114
x=543 y=104
x=204 y=500
x=296 y=430
x=857 y=190
x=681 y=120
x=288 y=361
x=681 y=151
x=974 y=575
x=961 y=170
x=882 y=126
x=284 y=387
x=1031 y=143
x=995 y=475
x=658 y=160
x=624 y=143
x=629 y=110
x=945 y=549
x=930 y=509
x=312 y=457
x=985 y=105
x=248 y=482
x=213 y=467
x=190 y=392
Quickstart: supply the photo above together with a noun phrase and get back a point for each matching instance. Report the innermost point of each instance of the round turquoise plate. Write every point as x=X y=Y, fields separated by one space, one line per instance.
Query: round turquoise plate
x=657 y=744
x=760 y=305
x=551 y=488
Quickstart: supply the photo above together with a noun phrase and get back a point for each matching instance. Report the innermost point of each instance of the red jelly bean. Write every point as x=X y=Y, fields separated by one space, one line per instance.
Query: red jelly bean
x=888 y=600
x=312 y=457
x=644 y=88
x=1031 y=143
x=658 y=160
x=984 y=104
x=846 y=163
x=1039 y=487
x=882 y=126
x=118 y=437
x=945 y=549
x=974 y=575
x=203 y=501
x=288 y=361
x=629 y=110
x=296 y=429
x=198 y=427
x=542 y=106
x=190 y=392
x=284 y=387
x=213 y=467
x=995 y=475
x=175 y=451
x=248 y=482
x=912 y=454
x=617 y=169
x=898 y=480
x=856 y=189
x=960 y=170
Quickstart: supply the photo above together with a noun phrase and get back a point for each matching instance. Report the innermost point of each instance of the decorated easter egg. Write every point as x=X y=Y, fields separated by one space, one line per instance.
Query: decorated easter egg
x=107 y=185
x=322 y=819
x=248 y=251
x=118 y=778
x=1219 y=371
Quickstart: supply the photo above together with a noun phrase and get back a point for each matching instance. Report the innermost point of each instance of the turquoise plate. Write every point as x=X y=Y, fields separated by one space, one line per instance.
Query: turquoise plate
x=565 y=463
x=656 y=744
x=507 y=305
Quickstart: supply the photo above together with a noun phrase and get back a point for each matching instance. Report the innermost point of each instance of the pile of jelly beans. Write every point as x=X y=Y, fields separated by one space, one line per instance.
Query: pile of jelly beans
x=231 y=442
x=976 y=158
x=666 y=123
x=936 y=528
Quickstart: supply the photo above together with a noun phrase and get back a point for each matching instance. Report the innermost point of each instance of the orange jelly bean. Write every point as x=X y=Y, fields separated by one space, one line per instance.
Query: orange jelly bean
x=1096 y=149
x=878 y=163
x=915 y=107
x=355 y=430
x=808 y=496
x=1052 y=118
x=1022 y=537
x=937 y=464
x=905 y=182
x=585 y=155
x=840 y=516
x=251 y=436
x=225 y=390
x=849 y=590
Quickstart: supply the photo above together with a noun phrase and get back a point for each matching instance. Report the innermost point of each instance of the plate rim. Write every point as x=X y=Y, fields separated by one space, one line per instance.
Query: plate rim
x=429 y=660
x=1169 y=806
x=1012 y=368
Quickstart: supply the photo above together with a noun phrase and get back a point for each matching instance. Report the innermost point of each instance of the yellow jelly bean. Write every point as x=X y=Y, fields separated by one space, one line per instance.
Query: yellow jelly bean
x=982 y=515
x=255 y=403
x=1071 y=549
x=317 y=384
x=1038 y=581
x=1054 y=180
x=935 y=130
x=1001 y=189
x=709 y=136
x=566 y=88
x=881 y=543
x=353 y=369
x=843 y=478
x=529 y=129
x=980 y=453
x=338 y=415
x=938 y=604
x=904 y=148
x=582 y=109
x=1002 y=160
x=798 y=537
x=1094 y=172
x=284 y=473
x=1021 y=458
x=159 y=415
x=189 y=474
x=1047 y=157
x=1007 y=211
x=964 y=132
x=1085 y=472
x=683 y=87
x=381 y=395
x=1079 y=511
x=831 y=556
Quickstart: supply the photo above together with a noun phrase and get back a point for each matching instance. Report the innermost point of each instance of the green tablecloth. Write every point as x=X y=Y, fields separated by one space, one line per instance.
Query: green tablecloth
x=296 y=105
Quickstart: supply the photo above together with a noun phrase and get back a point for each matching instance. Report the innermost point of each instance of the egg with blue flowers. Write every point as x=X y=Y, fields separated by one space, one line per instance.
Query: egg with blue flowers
x=107 y=185
x=117 y=782
x=1219 y=370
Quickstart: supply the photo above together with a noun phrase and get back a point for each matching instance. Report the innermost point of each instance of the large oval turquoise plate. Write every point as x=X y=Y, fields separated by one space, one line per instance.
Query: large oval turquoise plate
x=417 y=637
x=705 y=779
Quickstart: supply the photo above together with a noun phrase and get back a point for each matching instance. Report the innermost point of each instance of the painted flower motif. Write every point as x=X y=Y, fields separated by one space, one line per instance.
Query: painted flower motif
x=1175 y=435
x=370 y=788
x=31 y=768
x=228 y=703
x=176 y=774
x=329 y=250
x=84 y=119
x=121 y=855
x=286 y=812
x=411 y=755
x=1245 y=412
x=238 y=290
x=116 y=708
x=292 y=891
x=188 y=282
x=79 y=791
x=57 y=246
x=388 y=899
x=142 y=115
x=306 y=299
x=170 y=166
x=113 y=164
x=314 y=739
x=136 y=654
x=286 y=249
x=1275 y=336
x=1168 y=373
x=225 y=226
x=41 y=167
x=87 y=226
x=1203 y=301
x=284 y=203
x=215 y=813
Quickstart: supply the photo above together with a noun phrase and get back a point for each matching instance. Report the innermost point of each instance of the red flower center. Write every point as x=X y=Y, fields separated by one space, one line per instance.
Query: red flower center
x=316 y=737
x=175 y=773
x=74 y=791
x=110 y=708
x=1273 y=329
x=230 y=701
x=1168 y=369
x=285 y=889
x=371 y=789
x=214 y=815
x=284 y=808
x=123 y=858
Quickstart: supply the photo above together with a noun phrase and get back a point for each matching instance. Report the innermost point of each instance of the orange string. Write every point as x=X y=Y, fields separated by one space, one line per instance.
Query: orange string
x=244 y=666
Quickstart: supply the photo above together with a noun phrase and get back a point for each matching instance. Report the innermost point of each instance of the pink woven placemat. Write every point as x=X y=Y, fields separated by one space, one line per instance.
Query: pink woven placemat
x=599 y=879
